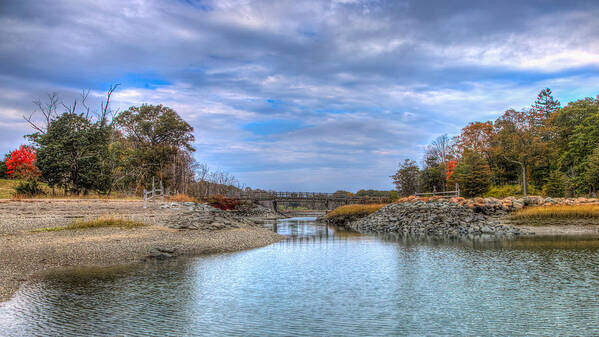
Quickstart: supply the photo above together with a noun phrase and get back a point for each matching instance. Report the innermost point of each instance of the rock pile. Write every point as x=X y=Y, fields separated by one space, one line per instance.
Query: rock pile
x=435 y=217
x=493 y=206
x=256 y=211
x=195 y=216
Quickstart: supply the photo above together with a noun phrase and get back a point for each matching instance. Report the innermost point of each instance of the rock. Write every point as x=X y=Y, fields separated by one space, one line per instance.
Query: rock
x=161 y=253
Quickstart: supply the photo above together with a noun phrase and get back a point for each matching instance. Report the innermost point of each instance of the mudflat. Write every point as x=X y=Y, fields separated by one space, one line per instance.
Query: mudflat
x=24 y=253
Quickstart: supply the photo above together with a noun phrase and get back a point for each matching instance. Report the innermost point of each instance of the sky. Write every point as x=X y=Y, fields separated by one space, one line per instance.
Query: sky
x=300 y=95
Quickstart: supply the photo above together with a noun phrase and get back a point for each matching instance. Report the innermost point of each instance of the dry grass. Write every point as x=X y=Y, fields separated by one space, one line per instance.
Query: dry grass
x=7 y=188
x=94 y=223
x=557 y=214
x=182 y=198
x=353 y=211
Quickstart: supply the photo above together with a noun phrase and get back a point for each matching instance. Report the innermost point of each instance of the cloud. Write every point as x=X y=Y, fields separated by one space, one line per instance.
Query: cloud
x=291 y=95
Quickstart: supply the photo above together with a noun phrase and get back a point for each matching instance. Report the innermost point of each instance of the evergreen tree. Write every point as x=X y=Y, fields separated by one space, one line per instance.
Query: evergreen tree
x=472 y=174
x=557 y=184
x=592 y=171
x=406 y=178
x=545 y=105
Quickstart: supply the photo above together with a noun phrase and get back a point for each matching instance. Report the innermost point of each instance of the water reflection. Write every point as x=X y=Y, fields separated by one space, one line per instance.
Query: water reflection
x=326 y=281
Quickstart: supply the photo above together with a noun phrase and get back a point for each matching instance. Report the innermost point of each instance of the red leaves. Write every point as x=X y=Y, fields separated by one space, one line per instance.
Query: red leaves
x=450 y=168
x=21 y=163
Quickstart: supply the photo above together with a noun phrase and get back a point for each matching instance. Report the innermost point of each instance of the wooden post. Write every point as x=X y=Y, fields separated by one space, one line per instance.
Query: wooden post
x=457 y=188
x=161 y=191
x=145 y=199
x=153 y=190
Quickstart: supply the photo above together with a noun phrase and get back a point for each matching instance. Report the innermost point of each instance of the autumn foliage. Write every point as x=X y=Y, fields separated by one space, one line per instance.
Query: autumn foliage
x=222 y=202
x=21 y=163
x=450 y=168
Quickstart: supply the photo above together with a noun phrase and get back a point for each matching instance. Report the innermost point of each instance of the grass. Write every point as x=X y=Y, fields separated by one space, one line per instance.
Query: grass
x=7 y=188
x=352 y=212
x=93 y=223
x=557 y=214
x=182 y=198
x=7 y=191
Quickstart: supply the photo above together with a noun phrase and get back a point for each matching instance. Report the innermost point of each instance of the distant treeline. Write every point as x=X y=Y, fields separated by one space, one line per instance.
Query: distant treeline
x=545 y=149
x=79 y=149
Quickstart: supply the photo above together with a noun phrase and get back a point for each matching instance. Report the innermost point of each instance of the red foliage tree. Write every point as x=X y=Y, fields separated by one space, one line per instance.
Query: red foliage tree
x=21 y=163
x=451 y=168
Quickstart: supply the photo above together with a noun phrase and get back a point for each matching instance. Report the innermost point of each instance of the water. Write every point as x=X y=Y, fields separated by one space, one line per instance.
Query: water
x=323 y=282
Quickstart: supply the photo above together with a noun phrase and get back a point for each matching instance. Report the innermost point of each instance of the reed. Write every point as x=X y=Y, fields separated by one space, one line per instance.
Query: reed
x=557 y=214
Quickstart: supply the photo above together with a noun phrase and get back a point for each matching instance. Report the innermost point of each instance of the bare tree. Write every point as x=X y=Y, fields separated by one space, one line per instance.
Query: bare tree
x=47 y=110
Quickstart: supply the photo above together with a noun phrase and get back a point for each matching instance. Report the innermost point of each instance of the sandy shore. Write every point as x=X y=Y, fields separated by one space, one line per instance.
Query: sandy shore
x=23 y=253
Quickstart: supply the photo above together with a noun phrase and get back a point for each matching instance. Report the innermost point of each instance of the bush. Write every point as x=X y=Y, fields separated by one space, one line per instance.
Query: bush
x=28 y=188
x=222 y=202
x=510 y=191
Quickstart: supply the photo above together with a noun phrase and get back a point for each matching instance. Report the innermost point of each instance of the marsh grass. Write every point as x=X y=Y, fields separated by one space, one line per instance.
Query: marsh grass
x=182 y=198
x=351 y=212
x=93 y=223
x=557 y=214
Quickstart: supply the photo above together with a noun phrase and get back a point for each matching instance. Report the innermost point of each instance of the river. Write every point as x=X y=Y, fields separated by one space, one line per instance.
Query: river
x=322 y=281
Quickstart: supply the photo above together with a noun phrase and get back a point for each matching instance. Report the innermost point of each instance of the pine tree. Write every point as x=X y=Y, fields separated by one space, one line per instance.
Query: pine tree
x=557 y=184
x=472 y=174
x=545 y=104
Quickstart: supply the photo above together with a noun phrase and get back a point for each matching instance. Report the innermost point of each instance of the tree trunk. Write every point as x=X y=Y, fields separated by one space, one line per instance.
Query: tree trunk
x=524 y=182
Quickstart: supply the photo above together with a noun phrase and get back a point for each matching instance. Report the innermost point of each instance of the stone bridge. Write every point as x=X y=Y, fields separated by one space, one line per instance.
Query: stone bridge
x=311 y=200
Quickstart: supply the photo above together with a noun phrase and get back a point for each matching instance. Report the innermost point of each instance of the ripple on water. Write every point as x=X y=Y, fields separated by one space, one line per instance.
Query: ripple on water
x=322 y=281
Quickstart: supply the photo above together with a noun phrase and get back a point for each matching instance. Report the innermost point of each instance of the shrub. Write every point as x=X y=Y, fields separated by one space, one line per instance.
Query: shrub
x=510 y=191
x=28 y=188
x=222 y=202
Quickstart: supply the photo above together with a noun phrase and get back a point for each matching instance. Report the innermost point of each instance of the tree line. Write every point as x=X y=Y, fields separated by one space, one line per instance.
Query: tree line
x=78 y=149
x=544 y=149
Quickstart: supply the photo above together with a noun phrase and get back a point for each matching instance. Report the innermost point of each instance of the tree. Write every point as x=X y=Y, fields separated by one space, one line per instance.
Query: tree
x=161 y=140
x=543 y=107
x=577 y=135
x=591 y=174
x=69 y=152
x=557 y=184
x=20 y=163
x=476 y=136
x=3 y=170
x=514 y=141
x=472 y=174
x=406 y=178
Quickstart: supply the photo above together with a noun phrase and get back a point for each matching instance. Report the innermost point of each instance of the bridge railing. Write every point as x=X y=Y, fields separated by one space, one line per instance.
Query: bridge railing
x=265 y=195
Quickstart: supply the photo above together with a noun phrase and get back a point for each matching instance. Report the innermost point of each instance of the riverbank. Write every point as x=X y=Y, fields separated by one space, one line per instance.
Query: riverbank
x=469 y=218
x=194 y=230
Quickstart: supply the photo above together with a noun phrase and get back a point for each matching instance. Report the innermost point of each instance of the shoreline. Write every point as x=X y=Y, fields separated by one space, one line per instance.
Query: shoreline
x=25 y=255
